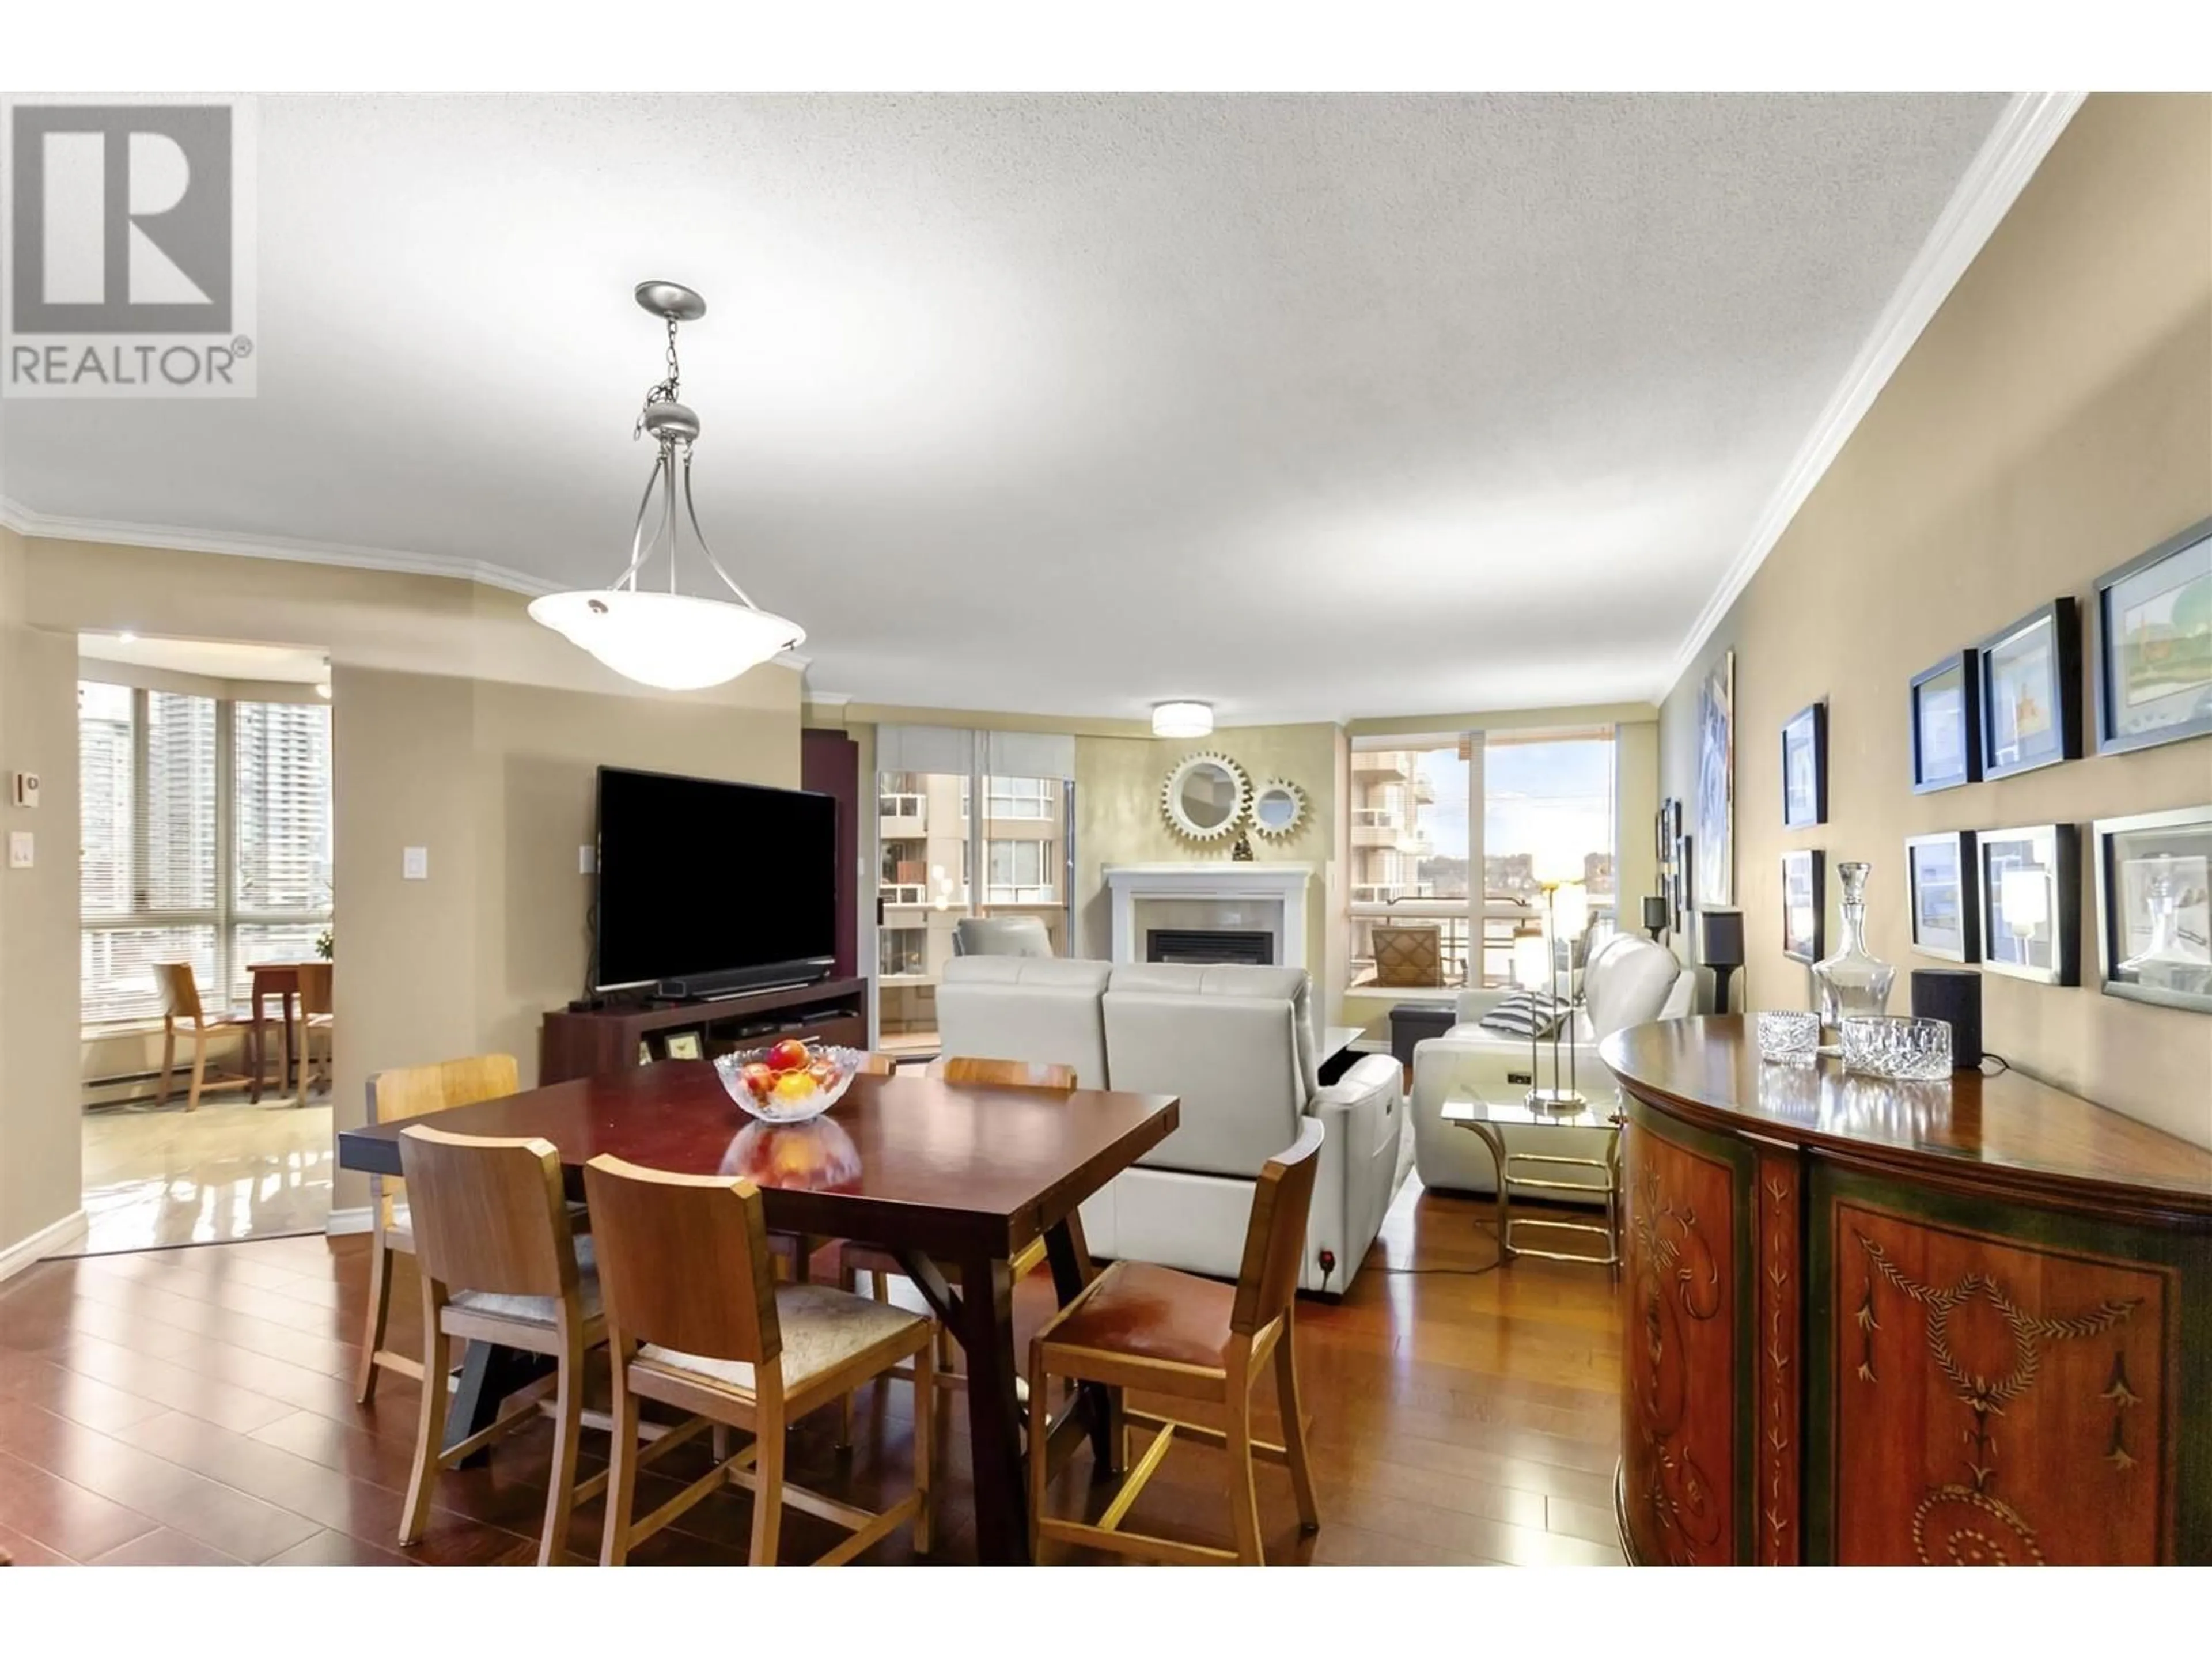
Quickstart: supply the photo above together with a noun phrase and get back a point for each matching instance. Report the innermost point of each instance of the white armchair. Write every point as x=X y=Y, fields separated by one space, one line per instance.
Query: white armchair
x=1628 y=982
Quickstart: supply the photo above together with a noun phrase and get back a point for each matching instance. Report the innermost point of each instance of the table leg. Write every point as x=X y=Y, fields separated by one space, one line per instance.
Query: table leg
x=1496 y=1142
x=1072 y=1269
x=256 y=1056
x=285 y=1082
x=994 y=1426
x=489 y=1374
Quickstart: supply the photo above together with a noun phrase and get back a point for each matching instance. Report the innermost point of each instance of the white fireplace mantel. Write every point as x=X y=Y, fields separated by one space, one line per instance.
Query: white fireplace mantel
x=1278 y=889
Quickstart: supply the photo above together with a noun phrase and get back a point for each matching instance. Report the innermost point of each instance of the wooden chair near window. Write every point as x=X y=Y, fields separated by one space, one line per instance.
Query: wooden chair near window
x=880 y=1265
x=315 y=1018
x=412 y=1091
x=181 y=1001
x=500 y=1263
x=696 y=1321
x=1139 y=1326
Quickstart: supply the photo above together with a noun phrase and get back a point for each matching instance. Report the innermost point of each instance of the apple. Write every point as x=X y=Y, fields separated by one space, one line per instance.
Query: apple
x=789 y=1055
x=759 y=1079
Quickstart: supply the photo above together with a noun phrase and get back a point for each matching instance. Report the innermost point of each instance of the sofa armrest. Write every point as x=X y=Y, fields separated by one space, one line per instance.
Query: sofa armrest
x=1364 y=1116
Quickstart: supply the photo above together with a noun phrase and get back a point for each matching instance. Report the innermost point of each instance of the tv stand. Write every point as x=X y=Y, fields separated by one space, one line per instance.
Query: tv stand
x=583 y=1043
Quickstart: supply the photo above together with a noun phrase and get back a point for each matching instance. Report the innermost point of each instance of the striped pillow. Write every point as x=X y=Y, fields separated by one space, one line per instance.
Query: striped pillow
x=1527 y=1014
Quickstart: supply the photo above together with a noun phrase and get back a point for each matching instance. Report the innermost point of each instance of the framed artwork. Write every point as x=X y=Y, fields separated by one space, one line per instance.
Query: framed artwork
x=1804 y=905
x=2154 y=908
x=1715 y=815
x=1939 y=876
x=683 y=1045
x=2153 y=666
x=2031 y=712
x=2031 y=902
x=1805 y=767
x=1660 y=845
x=1945 y=715
x=1685 y=901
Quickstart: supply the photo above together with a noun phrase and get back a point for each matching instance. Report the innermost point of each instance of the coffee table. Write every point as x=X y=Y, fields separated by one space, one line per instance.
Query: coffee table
x=1487 y=1119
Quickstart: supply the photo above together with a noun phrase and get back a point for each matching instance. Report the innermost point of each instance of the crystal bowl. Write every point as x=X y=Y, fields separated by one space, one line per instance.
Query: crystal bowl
x=829 y=1071
x=1898 y=1046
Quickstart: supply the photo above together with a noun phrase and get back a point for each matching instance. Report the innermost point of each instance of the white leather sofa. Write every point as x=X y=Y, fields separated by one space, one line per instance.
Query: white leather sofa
x=1628 y=982
x=1237 y=1045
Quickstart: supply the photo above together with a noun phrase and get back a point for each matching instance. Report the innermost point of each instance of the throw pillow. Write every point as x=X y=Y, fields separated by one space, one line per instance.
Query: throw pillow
x=1527 y=1014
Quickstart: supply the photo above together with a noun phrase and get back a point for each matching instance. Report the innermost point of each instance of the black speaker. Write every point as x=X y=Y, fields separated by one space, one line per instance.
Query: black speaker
x=1655 y=917
x=1953 y=995
x=1720 y=947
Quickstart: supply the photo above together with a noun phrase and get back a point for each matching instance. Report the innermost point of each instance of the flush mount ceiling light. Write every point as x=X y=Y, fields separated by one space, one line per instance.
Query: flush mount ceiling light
x=668 y=639
x=1182 y=720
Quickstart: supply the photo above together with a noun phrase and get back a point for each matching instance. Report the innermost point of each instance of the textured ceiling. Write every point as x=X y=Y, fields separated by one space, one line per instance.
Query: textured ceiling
x=1311 y=406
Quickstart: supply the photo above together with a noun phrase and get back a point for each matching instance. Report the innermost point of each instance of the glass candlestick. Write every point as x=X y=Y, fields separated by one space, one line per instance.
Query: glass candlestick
x=1854 y=981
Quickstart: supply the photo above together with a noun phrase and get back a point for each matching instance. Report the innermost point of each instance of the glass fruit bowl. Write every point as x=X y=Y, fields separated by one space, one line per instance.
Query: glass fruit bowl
x=789 y=1082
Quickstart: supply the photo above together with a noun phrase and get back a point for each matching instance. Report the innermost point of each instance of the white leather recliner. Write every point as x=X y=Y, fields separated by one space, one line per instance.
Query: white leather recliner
x=1237 y=1046
x=1628 y=982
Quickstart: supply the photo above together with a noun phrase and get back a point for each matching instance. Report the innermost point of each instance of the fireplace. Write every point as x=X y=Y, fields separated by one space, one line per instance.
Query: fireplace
x=1206 y=946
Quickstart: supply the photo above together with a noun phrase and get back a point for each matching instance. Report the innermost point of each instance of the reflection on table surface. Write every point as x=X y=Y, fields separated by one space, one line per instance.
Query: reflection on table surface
x=816 y=1155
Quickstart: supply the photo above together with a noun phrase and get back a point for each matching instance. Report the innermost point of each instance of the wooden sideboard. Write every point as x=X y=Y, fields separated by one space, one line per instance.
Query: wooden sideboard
x=573 y=1043
x=1885 y=1323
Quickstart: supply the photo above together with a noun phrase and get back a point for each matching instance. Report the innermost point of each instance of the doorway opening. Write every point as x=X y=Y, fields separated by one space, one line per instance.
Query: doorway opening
x=205 y=946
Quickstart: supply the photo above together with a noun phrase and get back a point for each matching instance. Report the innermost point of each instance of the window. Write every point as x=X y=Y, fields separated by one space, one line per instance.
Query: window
x=1425 y=811
x=205 y=837
x=1021 y=873
x=1023 y=798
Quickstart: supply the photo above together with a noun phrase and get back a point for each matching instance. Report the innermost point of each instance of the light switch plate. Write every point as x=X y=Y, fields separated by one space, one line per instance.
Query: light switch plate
x=415 y=864
x=19 y=849
x=27 y=789
x=586 y=860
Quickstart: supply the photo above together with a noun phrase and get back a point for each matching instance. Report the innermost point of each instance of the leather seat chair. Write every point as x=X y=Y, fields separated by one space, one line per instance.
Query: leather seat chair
x=1628 y=982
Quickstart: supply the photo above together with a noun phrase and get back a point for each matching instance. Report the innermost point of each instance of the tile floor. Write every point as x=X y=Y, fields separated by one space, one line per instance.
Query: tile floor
x=161 y=1175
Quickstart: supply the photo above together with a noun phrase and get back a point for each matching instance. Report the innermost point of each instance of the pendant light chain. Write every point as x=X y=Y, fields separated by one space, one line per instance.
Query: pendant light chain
x=665 y=392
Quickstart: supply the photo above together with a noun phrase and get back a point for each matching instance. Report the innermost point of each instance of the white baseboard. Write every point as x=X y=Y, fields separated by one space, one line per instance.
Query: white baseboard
x=359 y=1220
x=41 y=1244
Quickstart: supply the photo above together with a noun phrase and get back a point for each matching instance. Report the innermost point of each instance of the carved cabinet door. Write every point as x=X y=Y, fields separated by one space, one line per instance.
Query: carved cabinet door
x=1683 y=1474
x=2002 y=1393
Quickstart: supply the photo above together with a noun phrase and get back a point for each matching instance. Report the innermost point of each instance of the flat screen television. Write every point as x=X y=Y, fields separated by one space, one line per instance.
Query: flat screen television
x=707 y=888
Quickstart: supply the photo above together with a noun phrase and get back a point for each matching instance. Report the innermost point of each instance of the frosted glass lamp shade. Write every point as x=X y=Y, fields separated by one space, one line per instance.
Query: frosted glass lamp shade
x=669 y=640
x=1182 y=720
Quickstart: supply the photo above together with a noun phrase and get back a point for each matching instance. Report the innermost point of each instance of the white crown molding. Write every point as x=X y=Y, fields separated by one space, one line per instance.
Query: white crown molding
x=24 y=521
x=41 y=1244
x=2008 y=159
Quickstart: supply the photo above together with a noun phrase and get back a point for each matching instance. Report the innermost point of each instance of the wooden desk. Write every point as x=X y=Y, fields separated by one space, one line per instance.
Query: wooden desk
x=1873 y=1323
x=931 y=1170
x=271 y=979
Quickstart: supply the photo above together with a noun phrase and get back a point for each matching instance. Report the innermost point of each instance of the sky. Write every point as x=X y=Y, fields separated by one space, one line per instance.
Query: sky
x=1537 y=794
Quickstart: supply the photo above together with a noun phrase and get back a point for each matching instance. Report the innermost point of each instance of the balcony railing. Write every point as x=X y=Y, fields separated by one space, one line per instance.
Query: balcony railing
x=1375 y=818
x=914 y=806
x=902 y=892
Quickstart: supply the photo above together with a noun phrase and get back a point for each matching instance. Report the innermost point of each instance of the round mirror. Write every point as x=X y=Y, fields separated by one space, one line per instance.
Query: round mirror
x=1204 y=798
x=1279 y=806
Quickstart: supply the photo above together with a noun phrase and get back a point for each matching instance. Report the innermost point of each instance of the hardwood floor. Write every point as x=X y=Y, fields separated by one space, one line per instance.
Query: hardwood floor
x=195 y=1406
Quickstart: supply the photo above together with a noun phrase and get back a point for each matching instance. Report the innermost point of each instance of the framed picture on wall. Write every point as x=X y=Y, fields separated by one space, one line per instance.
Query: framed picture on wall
x=2031 y=712
x=1686 y=902
x=1805 y=767
x=1804 y=905
x=1939 y=876
x=2031 y=902
x=1714 y=825
x=2153 y=682
x=2154 y=874
x=1945 y=716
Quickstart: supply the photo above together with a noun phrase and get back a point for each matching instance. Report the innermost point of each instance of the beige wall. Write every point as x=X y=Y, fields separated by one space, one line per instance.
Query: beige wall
x=39 y=1141
x=2054 y=421
x=458 y=724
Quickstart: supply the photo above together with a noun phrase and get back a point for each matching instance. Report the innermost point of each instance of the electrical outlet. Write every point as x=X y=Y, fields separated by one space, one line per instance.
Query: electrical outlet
x=1521 y=1079
x=415 y=864
x=19 y=849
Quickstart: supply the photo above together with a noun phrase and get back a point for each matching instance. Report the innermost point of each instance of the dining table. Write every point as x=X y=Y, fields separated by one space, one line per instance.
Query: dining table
x=942 y=1174
x=271 y=979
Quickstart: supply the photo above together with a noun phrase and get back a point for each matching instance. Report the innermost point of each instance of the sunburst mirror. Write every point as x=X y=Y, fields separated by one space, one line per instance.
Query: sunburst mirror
x=1204 y=796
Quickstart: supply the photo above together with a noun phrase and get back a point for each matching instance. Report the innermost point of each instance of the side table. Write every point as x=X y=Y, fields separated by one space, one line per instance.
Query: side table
x=1486 y=1119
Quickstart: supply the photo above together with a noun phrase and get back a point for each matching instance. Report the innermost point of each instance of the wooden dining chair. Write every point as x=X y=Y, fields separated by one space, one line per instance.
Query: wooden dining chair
x=181 y=1001
x=403 y=1093
x=696 y=1319
x=315 y=1018
x=1140 y=1326
x=498 y=1264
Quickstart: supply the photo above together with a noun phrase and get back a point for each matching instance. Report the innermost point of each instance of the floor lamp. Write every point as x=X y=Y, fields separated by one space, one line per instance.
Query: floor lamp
x=1566 y=914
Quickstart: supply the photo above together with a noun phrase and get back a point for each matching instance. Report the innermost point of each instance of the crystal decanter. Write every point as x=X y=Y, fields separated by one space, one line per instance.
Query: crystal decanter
x=1853 y=981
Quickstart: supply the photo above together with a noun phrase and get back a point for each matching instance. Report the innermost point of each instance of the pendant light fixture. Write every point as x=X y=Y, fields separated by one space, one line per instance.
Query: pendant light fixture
x=668 y=639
